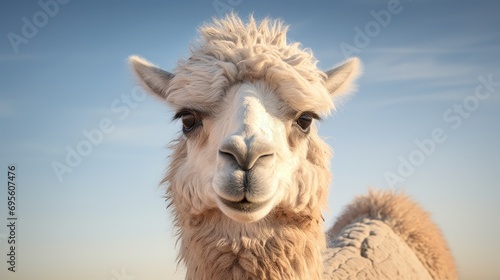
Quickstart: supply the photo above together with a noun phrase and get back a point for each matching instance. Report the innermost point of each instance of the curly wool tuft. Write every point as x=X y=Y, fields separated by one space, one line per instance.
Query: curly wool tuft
x=231 y=51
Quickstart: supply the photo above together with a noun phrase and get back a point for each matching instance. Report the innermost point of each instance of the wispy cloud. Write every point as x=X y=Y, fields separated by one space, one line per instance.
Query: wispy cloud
x=36 y=147
x=146 y=135
x=443 y=60
x=452 y=44
x=393 y=68
x=442 y=70
x=6 y=109
x=439 y=96
x=15 y=57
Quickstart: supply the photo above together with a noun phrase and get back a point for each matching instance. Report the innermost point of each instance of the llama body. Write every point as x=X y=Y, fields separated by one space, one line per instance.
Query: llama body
x=249 y=176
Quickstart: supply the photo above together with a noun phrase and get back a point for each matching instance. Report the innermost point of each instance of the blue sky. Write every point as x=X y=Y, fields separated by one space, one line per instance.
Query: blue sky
x=107 y=219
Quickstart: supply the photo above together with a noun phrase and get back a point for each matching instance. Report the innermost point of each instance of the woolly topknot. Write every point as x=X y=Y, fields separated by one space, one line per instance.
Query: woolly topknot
x=231 y=51
x=233 y=29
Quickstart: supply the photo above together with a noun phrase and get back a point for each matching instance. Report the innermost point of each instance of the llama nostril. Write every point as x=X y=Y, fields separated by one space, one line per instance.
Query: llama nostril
x=246 y=152
x=230 y=156
x=234 y=149
x=252 y=161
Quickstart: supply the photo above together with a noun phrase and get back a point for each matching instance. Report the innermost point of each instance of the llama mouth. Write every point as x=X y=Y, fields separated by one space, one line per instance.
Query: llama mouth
x=243 y=205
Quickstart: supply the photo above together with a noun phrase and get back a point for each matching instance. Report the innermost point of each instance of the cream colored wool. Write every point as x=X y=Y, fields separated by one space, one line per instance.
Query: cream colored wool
x=248 y=88
x=402 y=241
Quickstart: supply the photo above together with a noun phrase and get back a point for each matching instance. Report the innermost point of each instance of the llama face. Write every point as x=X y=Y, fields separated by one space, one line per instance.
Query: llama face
x=246 y=149
x=253 y=156
x=244 y=146
x=247 y=101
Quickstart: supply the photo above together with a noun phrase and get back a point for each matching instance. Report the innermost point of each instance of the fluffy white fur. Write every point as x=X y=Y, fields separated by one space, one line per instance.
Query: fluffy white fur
x=409 y=222
x=247 y=185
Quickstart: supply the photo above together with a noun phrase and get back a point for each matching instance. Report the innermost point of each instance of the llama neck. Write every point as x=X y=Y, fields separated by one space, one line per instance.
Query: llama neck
x=284 y=246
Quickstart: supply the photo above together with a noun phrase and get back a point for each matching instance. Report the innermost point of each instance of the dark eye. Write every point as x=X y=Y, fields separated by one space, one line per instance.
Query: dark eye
x=305 y=121
x=189 y=119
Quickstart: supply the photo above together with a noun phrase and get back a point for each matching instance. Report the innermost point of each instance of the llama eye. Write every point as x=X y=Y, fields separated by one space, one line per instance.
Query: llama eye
x=190 y=119
x=188 y=122
x=305 y=121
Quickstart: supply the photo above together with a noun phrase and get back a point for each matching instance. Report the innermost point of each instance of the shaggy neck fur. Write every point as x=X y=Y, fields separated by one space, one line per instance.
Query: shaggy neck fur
x=286 y=244
x=280 y=247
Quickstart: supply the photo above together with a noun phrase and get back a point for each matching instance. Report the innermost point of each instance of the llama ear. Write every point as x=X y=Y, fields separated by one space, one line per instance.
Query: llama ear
x=340 y=79
x=154 y=79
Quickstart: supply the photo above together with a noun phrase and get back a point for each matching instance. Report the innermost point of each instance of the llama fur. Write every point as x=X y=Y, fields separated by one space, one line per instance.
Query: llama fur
x=254 y=60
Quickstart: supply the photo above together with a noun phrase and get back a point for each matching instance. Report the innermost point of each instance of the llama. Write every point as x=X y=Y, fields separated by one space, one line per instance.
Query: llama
x=249 y=176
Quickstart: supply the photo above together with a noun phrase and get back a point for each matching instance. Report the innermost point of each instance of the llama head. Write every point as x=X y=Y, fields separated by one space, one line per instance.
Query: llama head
x=247 y=102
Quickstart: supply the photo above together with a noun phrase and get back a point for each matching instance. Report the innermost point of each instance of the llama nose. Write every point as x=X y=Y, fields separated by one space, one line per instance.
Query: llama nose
x=247 y=152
